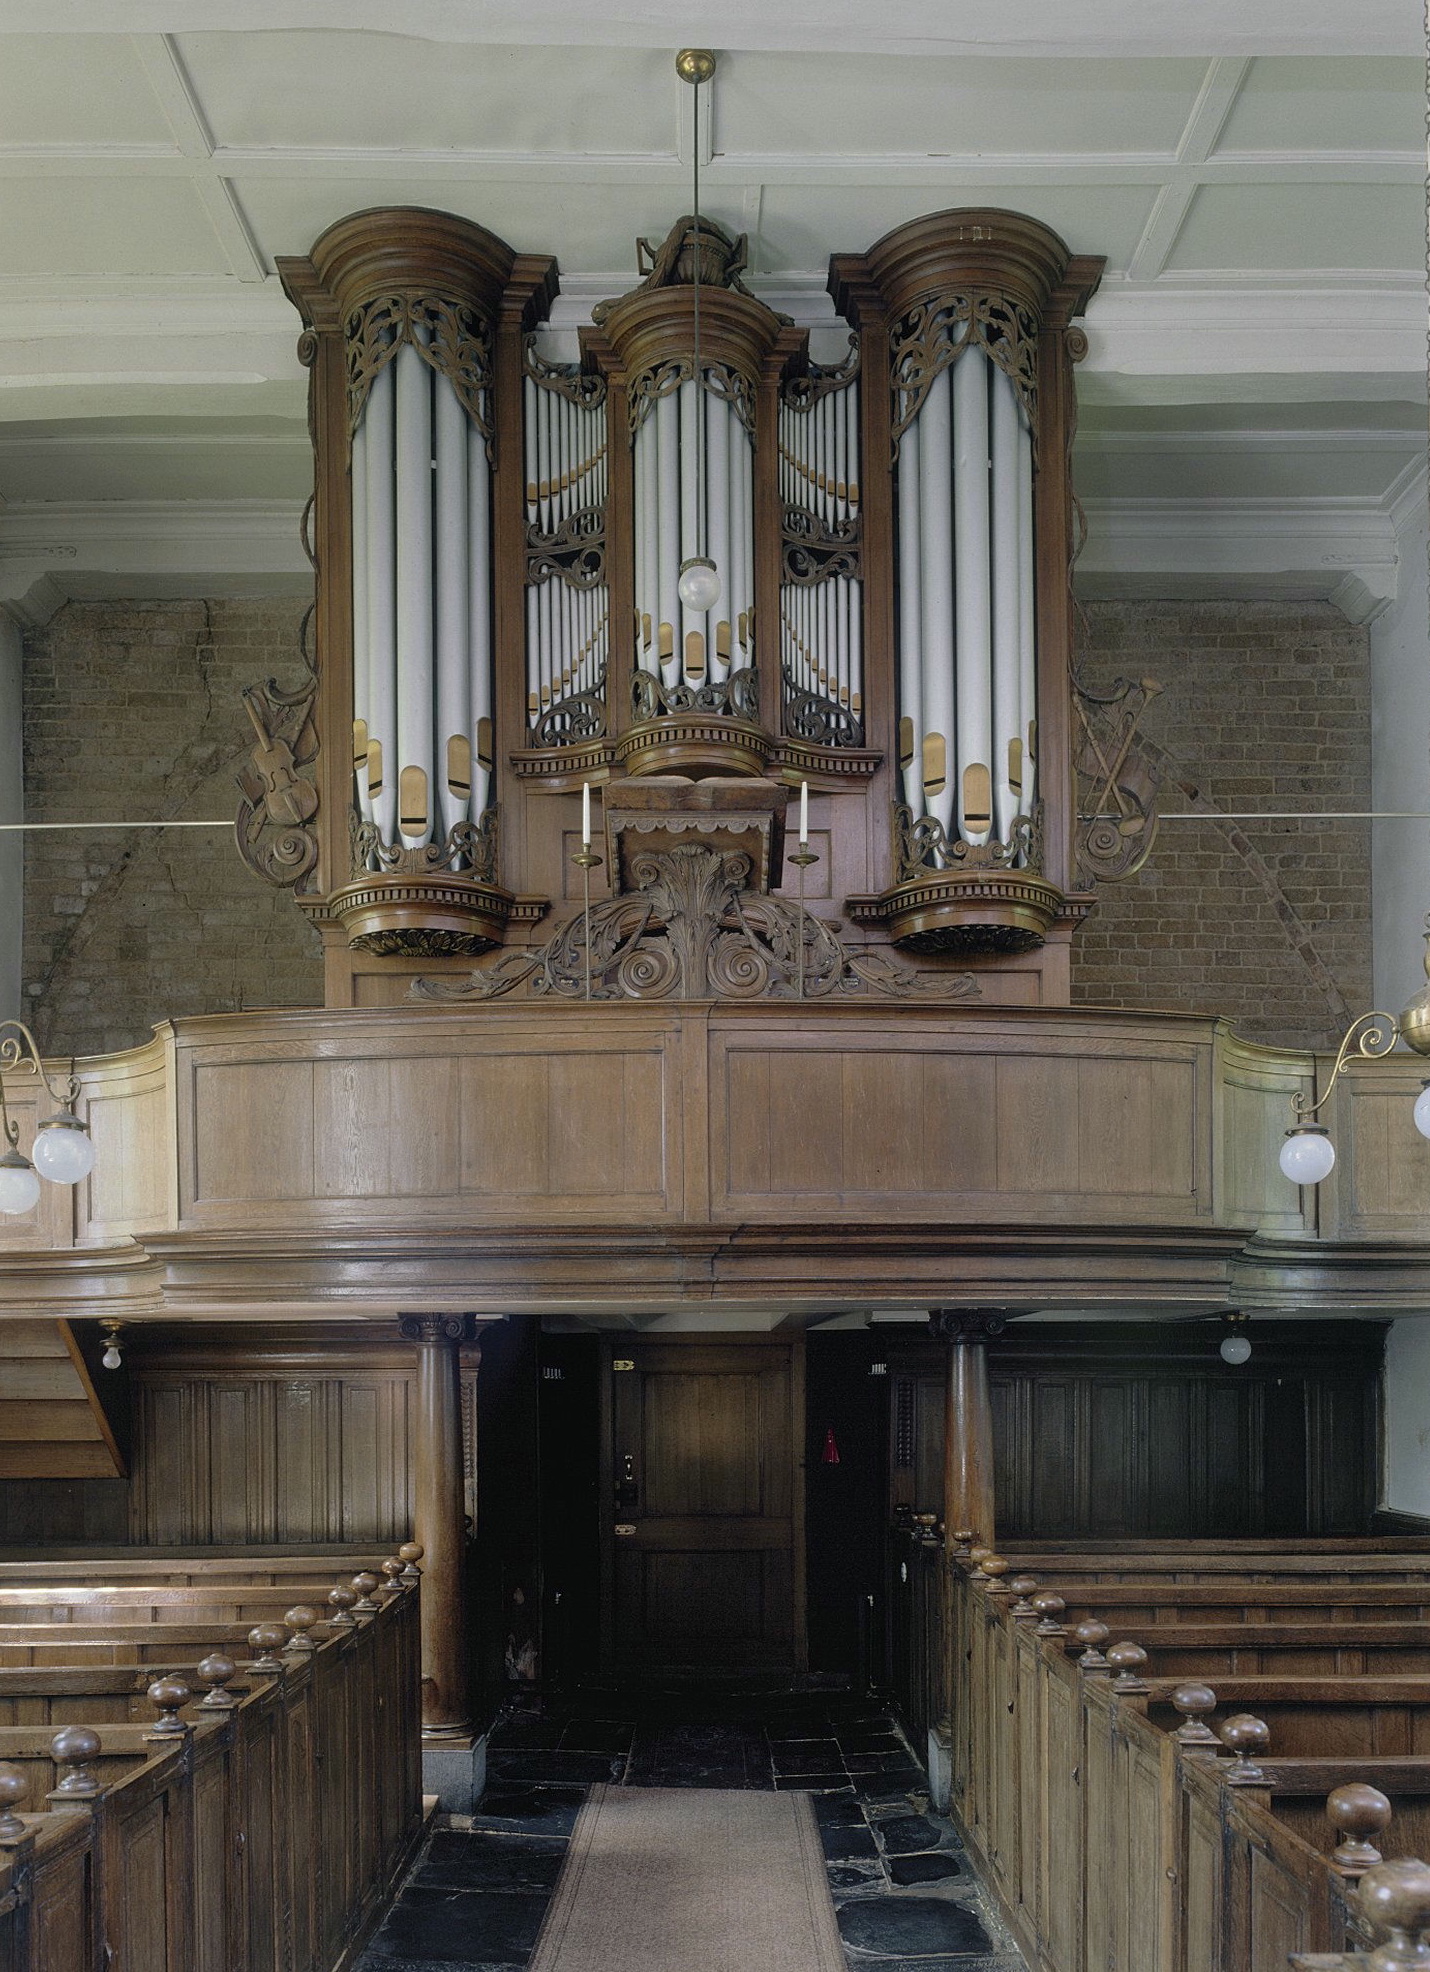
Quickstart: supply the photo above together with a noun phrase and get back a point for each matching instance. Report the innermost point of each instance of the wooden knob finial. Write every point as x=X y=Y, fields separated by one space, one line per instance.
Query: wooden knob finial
x=74 y=1748
x=1020 y=1588
x=365 y=1583
x=266 y=1640
x=14 y=1786
x=1356 y=1812
x=216 y=1671
x=1247 y=1737
x=963 y=1539
x=1395 y=1896
x=1092 y=1635
x=1049 y=1608
x=300 y=1619
x=393 y=1571
x=168 y=1696
x=1128 y=1660
x=1194 y=1735
x=993 y=1570
x=341 y=1601
x=411 y=1552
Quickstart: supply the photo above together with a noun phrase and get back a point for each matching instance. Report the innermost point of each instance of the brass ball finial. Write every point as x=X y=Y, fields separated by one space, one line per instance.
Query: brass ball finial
x=695 y=65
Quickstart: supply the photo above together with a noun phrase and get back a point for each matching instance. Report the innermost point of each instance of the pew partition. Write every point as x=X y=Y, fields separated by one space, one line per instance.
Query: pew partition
x=1111 y=1837
x=264 y=1835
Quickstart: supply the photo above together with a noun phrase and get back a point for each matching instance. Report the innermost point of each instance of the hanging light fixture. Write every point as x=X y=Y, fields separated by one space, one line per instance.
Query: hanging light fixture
x=63 y=1151
x=1235 y=1347
x=1308 y=1155
x=699 y=584
x=111 y=1358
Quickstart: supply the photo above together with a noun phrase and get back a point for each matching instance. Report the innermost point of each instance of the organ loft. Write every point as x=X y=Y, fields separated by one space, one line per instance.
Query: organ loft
x=735 y=1281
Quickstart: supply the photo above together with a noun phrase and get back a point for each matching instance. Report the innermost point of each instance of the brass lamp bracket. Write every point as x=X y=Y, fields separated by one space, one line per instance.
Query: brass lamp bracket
x=1368 y=1037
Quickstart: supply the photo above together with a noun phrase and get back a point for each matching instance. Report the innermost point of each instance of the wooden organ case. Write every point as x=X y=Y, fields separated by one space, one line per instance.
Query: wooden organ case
x=499 y=530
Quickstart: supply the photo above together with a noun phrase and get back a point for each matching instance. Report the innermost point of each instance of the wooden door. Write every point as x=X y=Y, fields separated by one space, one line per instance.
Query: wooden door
x=704 y=1546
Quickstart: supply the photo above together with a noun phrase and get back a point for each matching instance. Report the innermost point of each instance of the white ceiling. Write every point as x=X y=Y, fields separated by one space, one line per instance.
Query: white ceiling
x=1253 y=171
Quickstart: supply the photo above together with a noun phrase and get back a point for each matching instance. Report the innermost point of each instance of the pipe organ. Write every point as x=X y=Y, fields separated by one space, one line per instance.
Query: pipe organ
x=500 y=534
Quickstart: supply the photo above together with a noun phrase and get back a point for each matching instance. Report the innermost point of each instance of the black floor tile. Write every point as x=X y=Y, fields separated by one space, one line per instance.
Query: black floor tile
x=598 y=1736
x=837 y=1810
x=456 y=1927
x=554 y=1768
x=931 y=1868
x=911 y=1927
x=478 y=1861
x=840 y=1844
x=904 y=1835
x=530 y=1810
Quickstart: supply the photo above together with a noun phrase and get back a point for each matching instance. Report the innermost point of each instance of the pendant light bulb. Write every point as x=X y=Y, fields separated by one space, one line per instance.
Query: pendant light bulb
x=1308 y=1155
x=699 y=584
x=1422 y=1110
x=63 y=1151
x=19 y=1185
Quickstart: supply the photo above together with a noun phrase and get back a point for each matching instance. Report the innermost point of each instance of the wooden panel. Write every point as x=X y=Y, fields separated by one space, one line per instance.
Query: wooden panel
x=364 y=1118
x=131 y=1187
x=914 y=1118
x=253 y=1131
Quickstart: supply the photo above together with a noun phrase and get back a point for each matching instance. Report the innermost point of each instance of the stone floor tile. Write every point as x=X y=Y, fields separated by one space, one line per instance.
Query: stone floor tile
x=458 y=1927
x=910 y=1927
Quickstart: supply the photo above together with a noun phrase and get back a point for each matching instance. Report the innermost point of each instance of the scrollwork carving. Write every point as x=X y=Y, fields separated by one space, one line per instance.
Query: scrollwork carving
x=816 y=552
x=658 y=380
x=469 y=847
x=933 y=335
x=572 y=721
x=448 y=335
x=819 y=720
x=584 y=387
x=691 y=929
x=1118 y=783
x=921 y=844
x=821 y=379
x=575 y=552
x=737 y=697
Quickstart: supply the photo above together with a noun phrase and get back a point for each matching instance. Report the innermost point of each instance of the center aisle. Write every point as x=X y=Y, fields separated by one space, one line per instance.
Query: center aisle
x=904 y=1896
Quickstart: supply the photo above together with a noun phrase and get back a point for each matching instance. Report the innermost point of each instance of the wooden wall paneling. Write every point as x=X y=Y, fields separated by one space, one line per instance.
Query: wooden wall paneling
x=127 y=1103
x=1252 y=1102
x=1379 y=1185
x=50 y=1226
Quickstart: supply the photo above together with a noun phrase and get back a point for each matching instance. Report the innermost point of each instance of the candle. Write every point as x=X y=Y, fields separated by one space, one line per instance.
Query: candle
x=585 y=814
x=804 y=814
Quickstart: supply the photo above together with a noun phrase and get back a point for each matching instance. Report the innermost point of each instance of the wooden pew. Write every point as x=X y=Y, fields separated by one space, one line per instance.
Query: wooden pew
x=1109 y=1842
x=311 y=1780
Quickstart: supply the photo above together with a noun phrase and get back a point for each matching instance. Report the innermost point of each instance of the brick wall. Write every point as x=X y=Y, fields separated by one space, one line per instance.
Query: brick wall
x=134 y=710
x=1265 y=706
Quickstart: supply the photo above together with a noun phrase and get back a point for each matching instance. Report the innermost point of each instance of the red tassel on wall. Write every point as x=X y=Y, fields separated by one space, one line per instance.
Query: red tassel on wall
x=831 y=1450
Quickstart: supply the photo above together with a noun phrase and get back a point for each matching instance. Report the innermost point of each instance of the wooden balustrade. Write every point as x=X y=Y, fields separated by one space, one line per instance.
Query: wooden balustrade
x=227 y=1796
x=1137 y=1801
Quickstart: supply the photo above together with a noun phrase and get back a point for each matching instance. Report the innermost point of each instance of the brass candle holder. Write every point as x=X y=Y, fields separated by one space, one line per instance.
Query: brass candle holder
x=802 y=858
x=587 y=860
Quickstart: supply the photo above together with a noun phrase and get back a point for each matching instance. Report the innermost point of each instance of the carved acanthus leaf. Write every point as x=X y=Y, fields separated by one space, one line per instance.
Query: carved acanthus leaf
x=933 y=335
x=690 y=928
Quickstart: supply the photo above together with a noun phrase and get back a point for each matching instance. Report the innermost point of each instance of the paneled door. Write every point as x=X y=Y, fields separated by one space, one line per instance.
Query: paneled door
x=704 y=1548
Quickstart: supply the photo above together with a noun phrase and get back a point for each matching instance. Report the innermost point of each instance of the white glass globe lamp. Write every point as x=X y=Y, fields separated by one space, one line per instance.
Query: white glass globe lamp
x=1308 y=1155
x=1235 y=1349
x=1422 y=1110
x=19 y=1186
x=699 y=584
x=63 y=1151
x=112 y=1358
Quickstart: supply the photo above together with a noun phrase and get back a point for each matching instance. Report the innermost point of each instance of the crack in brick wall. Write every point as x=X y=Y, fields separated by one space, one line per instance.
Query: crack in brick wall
x=133 y=710
x=1266 y=707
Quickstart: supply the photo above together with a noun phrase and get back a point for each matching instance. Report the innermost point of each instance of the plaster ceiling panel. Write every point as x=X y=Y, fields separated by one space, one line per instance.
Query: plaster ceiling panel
x=801 y=225
x=391 y=92
x=98 y=226
x=1259 y=228
x=880 y=105
x=156 y=459
x=77 y=89
x=1245 y=465
x=1300 y=103
x=589 y=228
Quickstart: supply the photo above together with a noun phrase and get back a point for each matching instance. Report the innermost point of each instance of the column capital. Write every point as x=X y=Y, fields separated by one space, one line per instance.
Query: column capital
x=435 y=1328
x=967 y=1324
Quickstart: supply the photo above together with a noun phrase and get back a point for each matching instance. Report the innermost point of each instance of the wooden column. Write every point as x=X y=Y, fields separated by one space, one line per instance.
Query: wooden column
x=439 y=1523
x=968 y=1501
